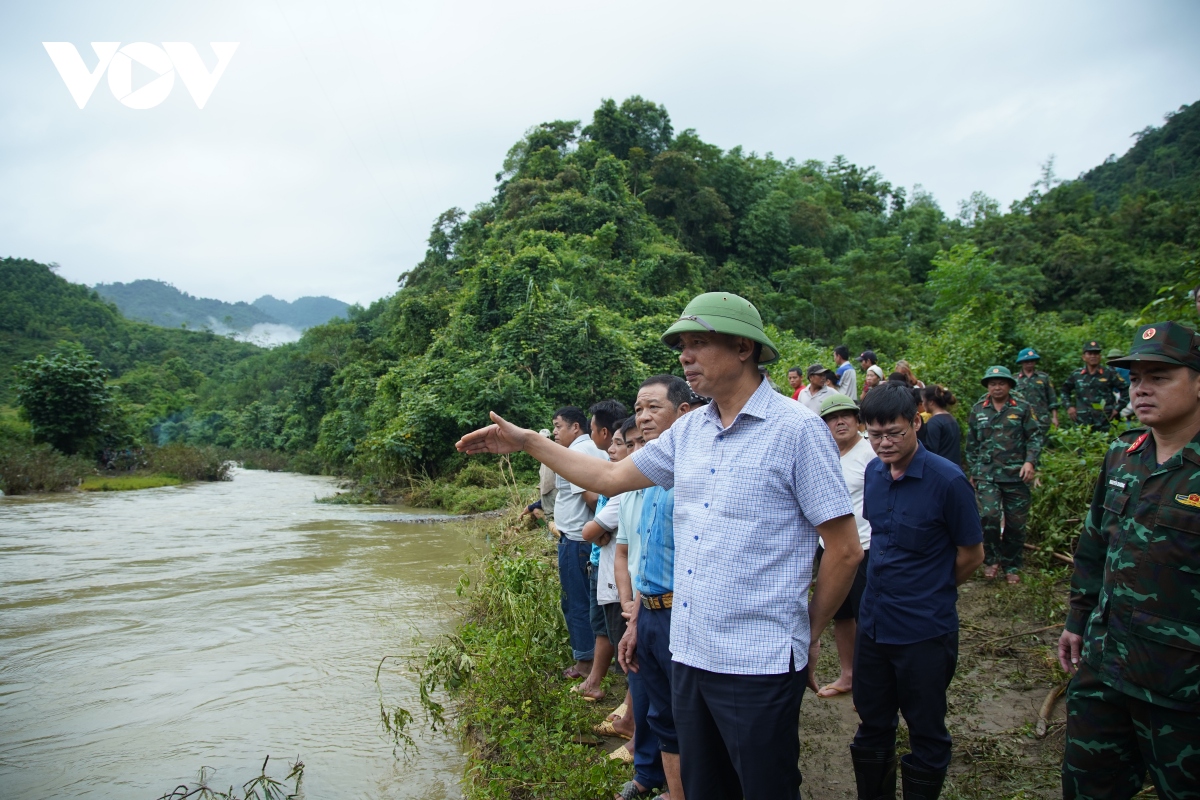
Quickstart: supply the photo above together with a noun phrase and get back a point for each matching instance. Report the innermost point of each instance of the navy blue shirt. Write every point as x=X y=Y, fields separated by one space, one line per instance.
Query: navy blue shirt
x=917 y=524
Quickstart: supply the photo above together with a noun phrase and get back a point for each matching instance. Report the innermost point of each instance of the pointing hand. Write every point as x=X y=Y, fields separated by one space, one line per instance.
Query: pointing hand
x=502 y=437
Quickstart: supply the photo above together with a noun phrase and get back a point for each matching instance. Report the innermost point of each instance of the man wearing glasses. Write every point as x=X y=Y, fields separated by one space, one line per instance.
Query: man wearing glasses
x=926 y=539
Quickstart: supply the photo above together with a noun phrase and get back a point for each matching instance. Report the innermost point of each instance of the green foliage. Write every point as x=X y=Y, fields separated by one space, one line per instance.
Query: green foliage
x=260 y=787
x=501 y=666
x=27 y=467
x=1177 y=300
x=66 y=399
x=1067 y=475
x=188 y=463
x=124 y=483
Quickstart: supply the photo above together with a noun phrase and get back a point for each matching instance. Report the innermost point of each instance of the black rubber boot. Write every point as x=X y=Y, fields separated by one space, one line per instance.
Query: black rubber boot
x=874 y=772
x=921 y=784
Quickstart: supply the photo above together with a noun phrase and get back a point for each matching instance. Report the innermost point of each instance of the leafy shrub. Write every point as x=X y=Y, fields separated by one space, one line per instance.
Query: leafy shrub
x=1067 y=475
x=26 y=468
x=189 y=463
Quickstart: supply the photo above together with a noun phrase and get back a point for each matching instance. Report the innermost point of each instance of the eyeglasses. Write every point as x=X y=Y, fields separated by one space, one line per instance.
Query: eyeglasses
x=888 y=437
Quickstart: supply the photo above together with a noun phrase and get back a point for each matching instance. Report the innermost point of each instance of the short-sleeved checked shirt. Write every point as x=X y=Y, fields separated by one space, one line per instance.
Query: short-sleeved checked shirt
x=748 y=499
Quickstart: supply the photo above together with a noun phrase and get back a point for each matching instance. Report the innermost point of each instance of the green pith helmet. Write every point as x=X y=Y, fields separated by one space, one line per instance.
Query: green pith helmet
x=1114 y=353
x=1028 y=354
x=722 y=312
x=837 y=402
x=1164 y=342
x=997 y=372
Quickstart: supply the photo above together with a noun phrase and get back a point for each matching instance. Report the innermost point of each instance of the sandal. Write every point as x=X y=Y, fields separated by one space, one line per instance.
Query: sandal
x=606 y=728
x=618 y=713
x=630 y=791
x=622 y=754
x=991 y=571
x=1013 y=578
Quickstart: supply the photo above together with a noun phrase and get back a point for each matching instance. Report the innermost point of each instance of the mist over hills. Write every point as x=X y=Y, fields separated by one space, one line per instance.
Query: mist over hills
x=266 y=321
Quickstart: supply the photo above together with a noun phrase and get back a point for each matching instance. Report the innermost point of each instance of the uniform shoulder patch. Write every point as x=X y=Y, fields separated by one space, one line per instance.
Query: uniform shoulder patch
x=1138 y=442
x=1192 y=500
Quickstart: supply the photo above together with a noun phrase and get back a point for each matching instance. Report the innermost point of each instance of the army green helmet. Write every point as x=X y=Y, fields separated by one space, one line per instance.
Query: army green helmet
x=722 y=312
x=997 y=372
x=1114 y=353
x=837 y=402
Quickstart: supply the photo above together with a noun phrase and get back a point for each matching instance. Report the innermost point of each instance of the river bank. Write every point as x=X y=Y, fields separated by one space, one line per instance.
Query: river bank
x=527 y=736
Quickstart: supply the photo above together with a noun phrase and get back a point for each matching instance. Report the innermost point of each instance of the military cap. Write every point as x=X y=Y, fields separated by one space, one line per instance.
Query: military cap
x=1028 y=354
x=1163 y=342
x=1092 y=347
x=997 y=372
x=722 y=312
x=1114 y=353
x=837 y=402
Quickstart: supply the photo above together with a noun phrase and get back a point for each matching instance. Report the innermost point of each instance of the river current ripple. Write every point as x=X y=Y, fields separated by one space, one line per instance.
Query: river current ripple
x=145 y=634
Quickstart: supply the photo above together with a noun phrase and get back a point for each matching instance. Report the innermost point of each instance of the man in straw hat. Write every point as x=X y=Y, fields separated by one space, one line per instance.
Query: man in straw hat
x=756 y=477
x=1132 y=638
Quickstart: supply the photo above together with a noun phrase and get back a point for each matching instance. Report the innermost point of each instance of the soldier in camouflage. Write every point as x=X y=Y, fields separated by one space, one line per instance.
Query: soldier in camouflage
x=1036 y=388
x=1132 y=638
x=1004 y=440
x=1096 y=393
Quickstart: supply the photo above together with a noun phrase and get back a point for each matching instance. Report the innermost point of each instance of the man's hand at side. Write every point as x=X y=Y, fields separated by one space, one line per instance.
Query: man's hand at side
x=838 y=565
x=1069 y=647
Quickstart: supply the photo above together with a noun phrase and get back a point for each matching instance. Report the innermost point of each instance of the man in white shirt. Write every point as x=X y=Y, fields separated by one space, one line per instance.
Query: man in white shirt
x=574 y=508
x=820 y=385
x=841 y=415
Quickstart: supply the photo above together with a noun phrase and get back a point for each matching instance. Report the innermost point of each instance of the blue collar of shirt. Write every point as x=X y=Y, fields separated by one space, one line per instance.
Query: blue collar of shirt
x=755 y=407
x=916 y=467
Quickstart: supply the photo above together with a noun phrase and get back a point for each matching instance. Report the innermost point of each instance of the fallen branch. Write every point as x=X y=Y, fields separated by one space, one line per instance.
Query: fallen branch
x=1043 y=723
x=1066 y=559
x=1022 y=633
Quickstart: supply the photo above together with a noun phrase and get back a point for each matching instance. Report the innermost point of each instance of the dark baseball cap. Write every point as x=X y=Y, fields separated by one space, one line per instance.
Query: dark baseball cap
x=1163 y=342
x=869 y=355
x=1092 y=347
x=817 y=369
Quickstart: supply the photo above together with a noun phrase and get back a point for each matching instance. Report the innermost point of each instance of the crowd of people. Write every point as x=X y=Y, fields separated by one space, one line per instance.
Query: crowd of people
x=706 y=539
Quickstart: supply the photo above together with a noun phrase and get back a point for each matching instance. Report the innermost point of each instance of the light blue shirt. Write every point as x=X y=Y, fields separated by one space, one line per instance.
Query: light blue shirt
x=748 y=499
x=656 y=530
x=630 y=513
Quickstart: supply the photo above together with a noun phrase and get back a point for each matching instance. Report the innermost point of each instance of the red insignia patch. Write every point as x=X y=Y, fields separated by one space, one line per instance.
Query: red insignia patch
x=1148 y=333
x=1141 y=440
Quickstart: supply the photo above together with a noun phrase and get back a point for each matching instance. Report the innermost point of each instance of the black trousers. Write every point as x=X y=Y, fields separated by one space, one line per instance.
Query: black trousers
x=910 y=678
x=738 y=734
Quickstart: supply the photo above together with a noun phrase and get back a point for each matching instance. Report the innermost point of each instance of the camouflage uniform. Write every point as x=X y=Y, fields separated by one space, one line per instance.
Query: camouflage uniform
x=1094 y=395
x=1135 y=599
x=1038 y=390
x=998 y=444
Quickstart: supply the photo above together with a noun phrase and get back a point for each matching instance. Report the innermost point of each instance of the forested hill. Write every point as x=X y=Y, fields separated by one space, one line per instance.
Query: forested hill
x=39 y=309
x=161 y=304
x=556 y=290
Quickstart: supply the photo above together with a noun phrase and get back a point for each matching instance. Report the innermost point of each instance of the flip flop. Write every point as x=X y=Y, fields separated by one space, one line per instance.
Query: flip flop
x=622 y=754
x=829 y=690
x=630 y=791
x=570 y=673
x=606 y=728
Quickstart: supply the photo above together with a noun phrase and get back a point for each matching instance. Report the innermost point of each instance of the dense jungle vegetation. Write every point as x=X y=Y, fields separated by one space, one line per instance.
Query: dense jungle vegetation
x=554 y=292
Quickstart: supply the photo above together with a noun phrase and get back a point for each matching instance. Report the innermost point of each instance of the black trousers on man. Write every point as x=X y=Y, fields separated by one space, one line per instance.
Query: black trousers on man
x=738 y=734
x=912 y=679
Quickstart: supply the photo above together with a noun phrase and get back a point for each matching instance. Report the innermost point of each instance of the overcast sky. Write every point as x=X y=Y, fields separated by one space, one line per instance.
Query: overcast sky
x=339 y=130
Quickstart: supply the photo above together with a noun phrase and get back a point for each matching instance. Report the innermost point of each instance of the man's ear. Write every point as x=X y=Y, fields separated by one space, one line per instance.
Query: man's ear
x=745 y=347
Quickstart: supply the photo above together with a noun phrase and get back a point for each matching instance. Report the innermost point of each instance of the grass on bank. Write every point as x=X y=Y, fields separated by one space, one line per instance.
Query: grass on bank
x=123 y=483
x=526 y=735
x=476 y=488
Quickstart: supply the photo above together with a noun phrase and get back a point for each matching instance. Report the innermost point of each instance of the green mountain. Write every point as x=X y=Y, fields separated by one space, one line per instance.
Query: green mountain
x=163 y=370
x=555 y=291
x=304 y=312
x=160 y=303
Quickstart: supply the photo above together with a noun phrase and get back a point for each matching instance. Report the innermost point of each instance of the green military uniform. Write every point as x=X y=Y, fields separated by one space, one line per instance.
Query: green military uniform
x=1096 y=396
x=1037 y=389
x=1135 y=599
x=998 y=444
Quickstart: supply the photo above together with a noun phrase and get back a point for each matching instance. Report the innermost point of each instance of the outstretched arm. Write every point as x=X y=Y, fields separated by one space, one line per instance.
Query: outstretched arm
x=593 y=474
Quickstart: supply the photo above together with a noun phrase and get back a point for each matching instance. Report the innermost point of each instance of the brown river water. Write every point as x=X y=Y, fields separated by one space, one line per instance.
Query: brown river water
x=146 y=634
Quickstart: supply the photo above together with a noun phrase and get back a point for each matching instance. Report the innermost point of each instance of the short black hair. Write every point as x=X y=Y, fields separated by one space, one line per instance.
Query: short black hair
x=842 y=351
x=887 y=403
x=678 y=391
x=628 y=424
x=607 y=413
x=796 y=370
x=898 y=377
x=572 y=415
